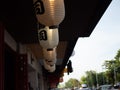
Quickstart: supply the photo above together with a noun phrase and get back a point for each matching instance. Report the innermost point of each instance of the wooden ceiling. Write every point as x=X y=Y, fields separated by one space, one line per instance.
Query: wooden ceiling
x=38 y=52
x=81 y=17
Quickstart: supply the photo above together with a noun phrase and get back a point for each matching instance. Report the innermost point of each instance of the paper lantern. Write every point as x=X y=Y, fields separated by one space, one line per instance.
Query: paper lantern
x=50 y=56
x=50 y=68
x=49 y=12
x=48 y=38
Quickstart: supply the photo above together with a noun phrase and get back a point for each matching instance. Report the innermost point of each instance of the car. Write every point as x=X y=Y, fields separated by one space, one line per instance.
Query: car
x=105 y=87
x=84 y=87
x=117 y=86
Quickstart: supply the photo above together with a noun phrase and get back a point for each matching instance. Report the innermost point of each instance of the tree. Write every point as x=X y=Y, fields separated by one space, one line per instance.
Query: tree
x=101 y=78
x=90 y=78
x=72 y=83
x=117 y=59
x=110 y=67
x=83 y=80
x=93 y=79
x=113 y=68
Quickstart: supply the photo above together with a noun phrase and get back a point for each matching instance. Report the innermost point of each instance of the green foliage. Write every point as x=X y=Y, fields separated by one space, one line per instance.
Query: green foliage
x=61 y=86
x=72 y=83
x=107 y=77
x=112 y=67
x=92 y=78
x=117 y=57
x=101 y=78
x=83 y=80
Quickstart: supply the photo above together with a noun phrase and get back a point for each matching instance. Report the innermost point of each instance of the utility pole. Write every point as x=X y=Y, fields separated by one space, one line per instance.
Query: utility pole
x=114 y=70
x=97 y=80
x=115 y=74
x=103 y=74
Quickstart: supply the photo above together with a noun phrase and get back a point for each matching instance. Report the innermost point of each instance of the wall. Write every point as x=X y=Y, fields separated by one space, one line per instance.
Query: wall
x=10 y=41
x=35 y=71
x=35 y=77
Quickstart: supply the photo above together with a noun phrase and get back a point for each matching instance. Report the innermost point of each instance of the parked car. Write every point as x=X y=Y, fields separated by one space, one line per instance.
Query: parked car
x=84 y=87
x=117 y=86
x=105 y=87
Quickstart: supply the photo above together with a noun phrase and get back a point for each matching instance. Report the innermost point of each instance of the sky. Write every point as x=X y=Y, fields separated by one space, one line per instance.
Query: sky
x=103 y=44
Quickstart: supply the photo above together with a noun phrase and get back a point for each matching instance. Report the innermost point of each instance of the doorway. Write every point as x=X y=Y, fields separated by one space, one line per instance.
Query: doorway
x=9 y=66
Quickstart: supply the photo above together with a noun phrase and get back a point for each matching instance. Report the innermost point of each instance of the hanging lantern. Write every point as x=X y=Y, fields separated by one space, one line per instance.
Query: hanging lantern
x=49 y=12
x=50 y=68
x=50 y=62
x=50 y=56
x=48 y=38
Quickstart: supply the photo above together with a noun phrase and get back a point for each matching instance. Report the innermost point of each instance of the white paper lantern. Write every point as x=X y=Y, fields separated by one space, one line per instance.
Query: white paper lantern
x=50 y=68
x=50 y=56
x=49 y=12
x=48 y=38
x=50 y=62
